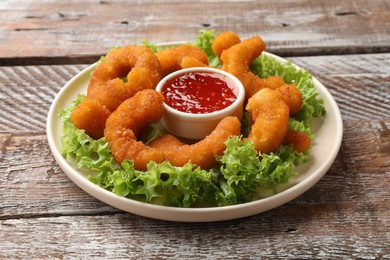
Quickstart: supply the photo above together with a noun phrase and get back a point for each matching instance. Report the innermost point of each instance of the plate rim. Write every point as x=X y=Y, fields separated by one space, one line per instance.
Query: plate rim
x=207 y=214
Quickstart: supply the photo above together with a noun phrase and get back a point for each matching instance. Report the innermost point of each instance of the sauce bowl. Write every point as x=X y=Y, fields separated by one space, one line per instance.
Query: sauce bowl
x=197 y=126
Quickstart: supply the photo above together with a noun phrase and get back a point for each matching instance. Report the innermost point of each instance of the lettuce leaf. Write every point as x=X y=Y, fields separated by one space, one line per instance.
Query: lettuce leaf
x=204 y=41
x=82 y=149
x=154 y=47
x=242 y=173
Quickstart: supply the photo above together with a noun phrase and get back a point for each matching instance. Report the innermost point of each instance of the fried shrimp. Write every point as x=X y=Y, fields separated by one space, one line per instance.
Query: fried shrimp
x=127 y=120
x=146 y=107
x=202 y=153
x=171 y=59
x=292 y=96
x=190 y=62
x=91 y=116
x=123 y=72
x=237 y=60
x=224 y=41
x=299 y=140
x=270 y=116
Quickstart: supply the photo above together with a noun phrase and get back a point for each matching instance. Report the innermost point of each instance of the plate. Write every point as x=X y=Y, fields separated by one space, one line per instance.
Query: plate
x=325 y=146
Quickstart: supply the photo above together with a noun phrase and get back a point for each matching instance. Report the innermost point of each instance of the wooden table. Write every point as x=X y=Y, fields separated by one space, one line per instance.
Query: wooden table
x=345 y=44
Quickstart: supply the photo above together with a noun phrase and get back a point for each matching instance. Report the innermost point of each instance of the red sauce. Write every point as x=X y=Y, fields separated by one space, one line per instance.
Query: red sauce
x=199 y=92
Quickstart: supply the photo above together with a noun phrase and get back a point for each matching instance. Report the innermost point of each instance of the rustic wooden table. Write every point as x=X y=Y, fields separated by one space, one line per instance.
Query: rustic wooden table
x=345 y=44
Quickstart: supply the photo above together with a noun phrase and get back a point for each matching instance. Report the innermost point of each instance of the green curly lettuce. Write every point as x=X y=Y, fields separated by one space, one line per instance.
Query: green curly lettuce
x=242 y=173
x=81 y=148
x=204 y=41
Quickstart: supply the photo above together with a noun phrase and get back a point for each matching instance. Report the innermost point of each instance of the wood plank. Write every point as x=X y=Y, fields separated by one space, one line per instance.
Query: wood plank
x=360 y=85
x=26 y=94
x=33 y=184
x=56 y=32
x=336 y=231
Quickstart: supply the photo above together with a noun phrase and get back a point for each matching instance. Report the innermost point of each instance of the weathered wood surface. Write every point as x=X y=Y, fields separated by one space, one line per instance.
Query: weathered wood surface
x=64 y=32
x=43 y=214
x=346 y=215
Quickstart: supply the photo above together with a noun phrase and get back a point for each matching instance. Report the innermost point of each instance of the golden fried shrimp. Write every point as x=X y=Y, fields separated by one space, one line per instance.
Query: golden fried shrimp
x=168 y=144
x=190 y=62
x=171 y=59
x=270 y=116
x=237 y=60
x=299 y=140
x=83 y=119
x=202 y=153
x=292 y=96
x=127 y=120
x=224 y=41
x=140 y=68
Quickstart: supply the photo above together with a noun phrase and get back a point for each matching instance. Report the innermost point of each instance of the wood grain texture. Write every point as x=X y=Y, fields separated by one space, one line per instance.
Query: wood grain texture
x=345 y=232
x=67 y=32
x=43 y=214
x=26 y=94
x=345 y=215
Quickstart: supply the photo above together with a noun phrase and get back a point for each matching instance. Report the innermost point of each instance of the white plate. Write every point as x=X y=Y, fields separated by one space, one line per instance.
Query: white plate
x=326 y=143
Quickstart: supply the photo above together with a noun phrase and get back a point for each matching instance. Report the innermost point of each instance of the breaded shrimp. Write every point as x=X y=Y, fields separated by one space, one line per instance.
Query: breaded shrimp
x=190 y=62
x=123 y=72
x=171 y=59
x=202 y=153
x=299 y=140
x=270 y=116
x=224 y=41
x=91 y=116
x=237 y=60
x=292 y=96
x=127 y=120
x=146 y=107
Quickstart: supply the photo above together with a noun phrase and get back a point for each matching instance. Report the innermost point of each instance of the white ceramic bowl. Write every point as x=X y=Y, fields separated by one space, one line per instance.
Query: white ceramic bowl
x=198 y=126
